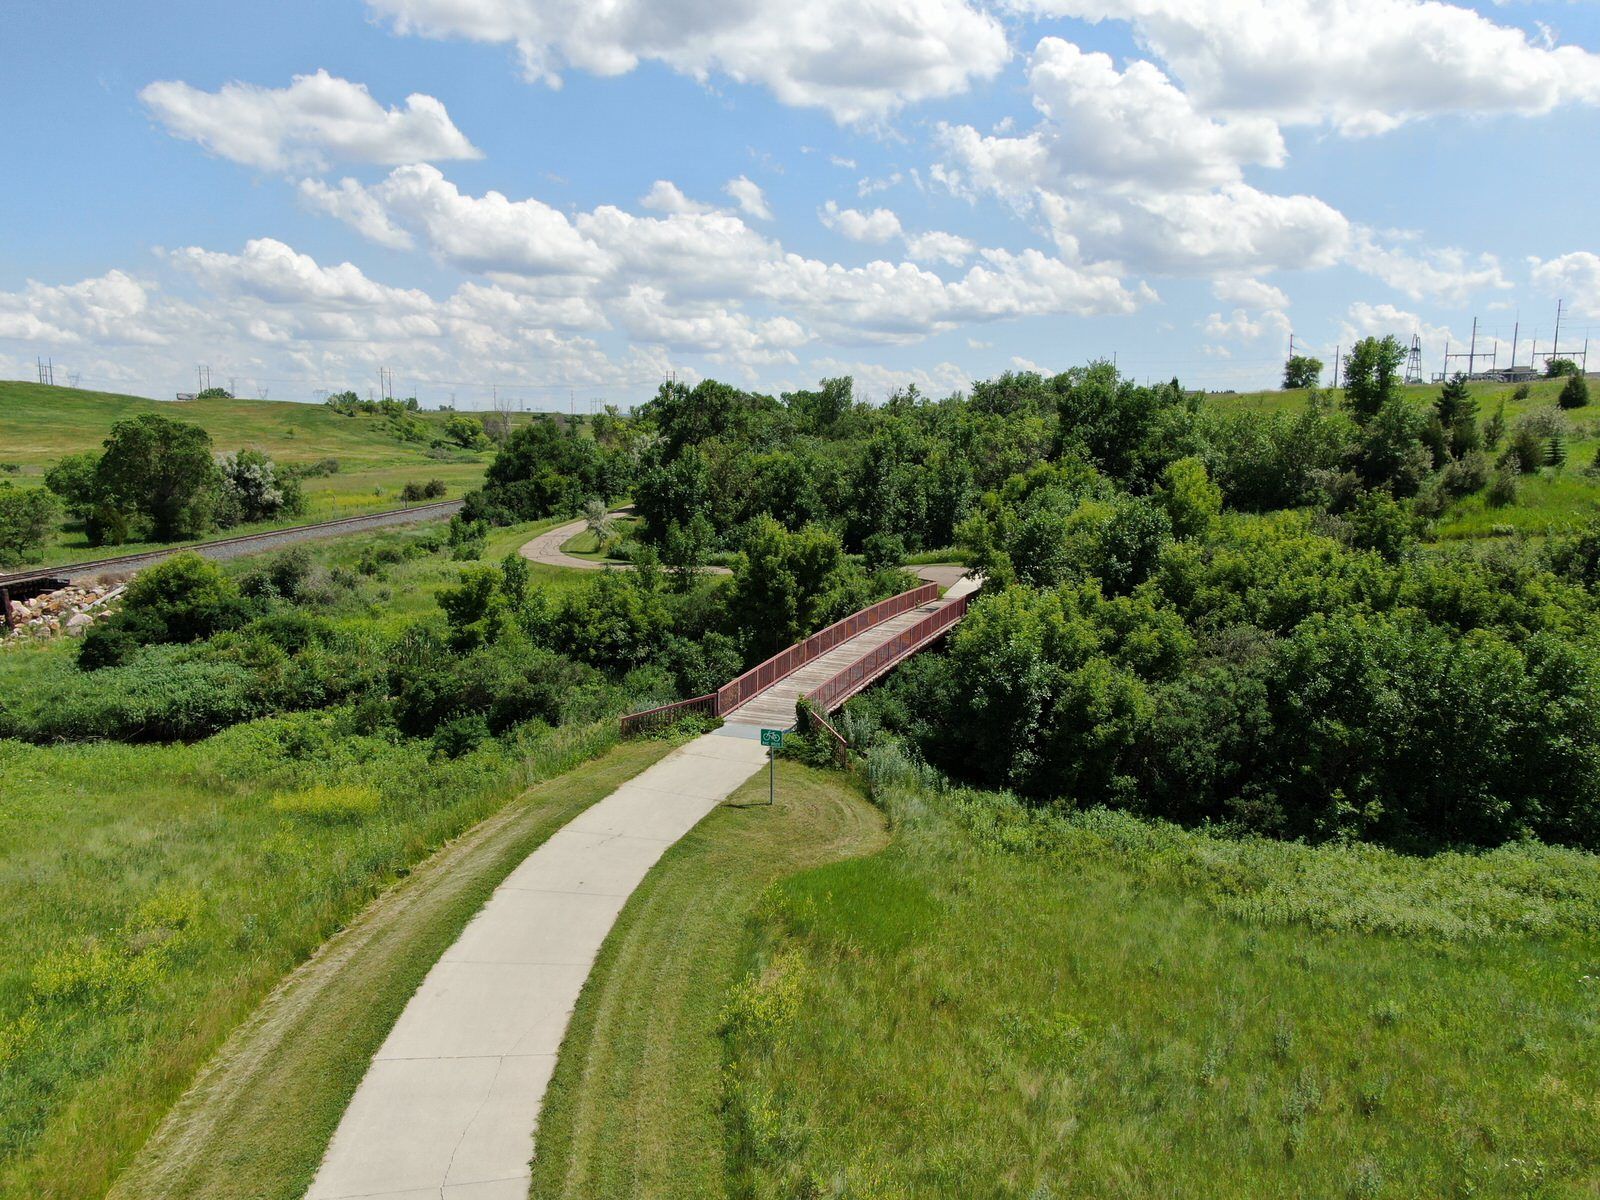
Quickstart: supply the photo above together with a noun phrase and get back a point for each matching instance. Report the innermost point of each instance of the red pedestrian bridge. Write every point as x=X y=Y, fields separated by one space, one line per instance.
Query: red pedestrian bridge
x=830 y=666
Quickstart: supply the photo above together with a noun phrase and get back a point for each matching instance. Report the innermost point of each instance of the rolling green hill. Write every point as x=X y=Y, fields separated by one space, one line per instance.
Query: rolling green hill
x=1549 y=501
x=41 y=424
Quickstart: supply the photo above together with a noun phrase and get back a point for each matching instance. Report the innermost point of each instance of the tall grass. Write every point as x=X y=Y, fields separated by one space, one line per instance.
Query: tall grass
x=153 y=895
x=1007 y=1003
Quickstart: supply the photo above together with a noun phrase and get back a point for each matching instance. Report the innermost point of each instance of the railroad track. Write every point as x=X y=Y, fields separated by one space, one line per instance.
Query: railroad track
x=18 y=581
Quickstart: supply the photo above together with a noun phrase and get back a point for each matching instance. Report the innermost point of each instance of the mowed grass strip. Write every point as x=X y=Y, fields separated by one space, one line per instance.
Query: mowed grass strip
x=635 y=1105
x=258 y=1118
x=979 y=1013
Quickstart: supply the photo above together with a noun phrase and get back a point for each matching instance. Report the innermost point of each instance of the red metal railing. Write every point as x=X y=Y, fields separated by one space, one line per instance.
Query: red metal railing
x=654 y=718
x=835 y=739
x=833 y=692
x=759 y=679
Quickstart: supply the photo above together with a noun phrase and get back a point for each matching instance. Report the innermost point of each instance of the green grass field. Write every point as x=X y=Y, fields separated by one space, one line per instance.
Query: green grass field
x=1004 y=1005
x=155 y=894
x=39 y=425
x=1549 y=502
x=634 y=1108
x=288 y=1072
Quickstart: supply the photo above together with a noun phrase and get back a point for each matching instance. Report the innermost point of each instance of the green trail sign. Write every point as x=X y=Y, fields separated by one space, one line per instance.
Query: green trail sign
x=772 y=739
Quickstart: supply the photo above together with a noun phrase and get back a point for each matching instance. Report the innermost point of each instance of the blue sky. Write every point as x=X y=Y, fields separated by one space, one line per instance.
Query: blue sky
x=546 y=200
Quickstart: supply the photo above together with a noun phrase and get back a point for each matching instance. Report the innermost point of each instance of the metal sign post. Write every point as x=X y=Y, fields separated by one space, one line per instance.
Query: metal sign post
x=772 y=739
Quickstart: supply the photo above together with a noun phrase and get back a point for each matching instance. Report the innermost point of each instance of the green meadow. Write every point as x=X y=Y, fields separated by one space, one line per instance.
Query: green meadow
x=39 y=425
x=1553 y=500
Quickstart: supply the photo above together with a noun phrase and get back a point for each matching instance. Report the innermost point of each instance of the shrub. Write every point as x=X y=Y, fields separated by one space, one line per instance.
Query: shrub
x=252 y=489
x=284 y=575
x=460 y=735
x=27 y=518
x=183 y=599
x=1575 y=393
x=1503 y=488
x=165 y=693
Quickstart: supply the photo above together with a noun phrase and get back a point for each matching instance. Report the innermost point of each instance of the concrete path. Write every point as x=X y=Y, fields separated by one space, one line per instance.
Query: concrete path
x=546 y=548
x=449 y=1105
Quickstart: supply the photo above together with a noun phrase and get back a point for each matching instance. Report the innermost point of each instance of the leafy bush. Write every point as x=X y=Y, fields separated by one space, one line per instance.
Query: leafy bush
x=284 y=575
x=252 y=488
x=183 y=599
x=413 y=491
x=163 y=693
x=1575 y=392
x=28 y=517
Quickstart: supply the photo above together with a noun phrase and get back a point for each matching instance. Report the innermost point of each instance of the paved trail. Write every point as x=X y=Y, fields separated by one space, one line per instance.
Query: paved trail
x=448 y=1108
x=450 y=1104
x=546 y=548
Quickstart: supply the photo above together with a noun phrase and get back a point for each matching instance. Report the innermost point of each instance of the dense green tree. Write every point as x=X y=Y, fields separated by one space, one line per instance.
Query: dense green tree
x=1302 y=371
x=162 y=471
x=464 y=431
x=1189 y=498
x=75 y=478
x=787 y=585
x=821 y=410
x=28 y=517
x=1457 y=414
x=1389 y=452
x=544 y=467
x=1372 y=376
x=1574 y=393
x=672 y=491
x=1556 y=368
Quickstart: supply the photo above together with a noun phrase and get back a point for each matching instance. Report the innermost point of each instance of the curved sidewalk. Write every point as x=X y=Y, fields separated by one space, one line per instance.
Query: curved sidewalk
x=448 y=1107
x=546 y=548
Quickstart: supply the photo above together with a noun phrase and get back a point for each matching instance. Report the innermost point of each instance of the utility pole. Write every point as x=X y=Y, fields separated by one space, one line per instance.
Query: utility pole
x=1336 y=349
x=1516 y=330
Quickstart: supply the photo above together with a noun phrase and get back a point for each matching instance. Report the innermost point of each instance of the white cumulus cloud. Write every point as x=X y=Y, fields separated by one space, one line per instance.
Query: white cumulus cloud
x=317 y=118
x=1366 y=66
x=861 y=60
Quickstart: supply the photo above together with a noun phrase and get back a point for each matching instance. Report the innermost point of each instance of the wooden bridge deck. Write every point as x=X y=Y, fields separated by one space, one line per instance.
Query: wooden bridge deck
x=774 y=708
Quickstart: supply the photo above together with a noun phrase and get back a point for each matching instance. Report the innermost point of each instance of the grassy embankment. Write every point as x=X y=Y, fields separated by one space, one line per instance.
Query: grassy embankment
x=634 y=1108
x=1550 y=501
x=1005 y=1004
x=256 y=1122
x=1011 y=1005
x=39 y=425
x=156 y=893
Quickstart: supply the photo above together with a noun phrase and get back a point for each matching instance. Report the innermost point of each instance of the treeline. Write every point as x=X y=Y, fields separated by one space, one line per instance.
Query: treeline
x=1212 y=617
x=160 y=480
x=195 y=648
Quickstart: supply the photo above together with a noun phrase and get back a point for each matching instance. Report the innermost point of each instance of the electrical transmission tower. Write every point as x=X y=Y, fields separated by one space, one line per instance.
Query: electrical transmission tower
x=47 y=371
x=1581 y=357
x=1470 y=354
x=1414 y=360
